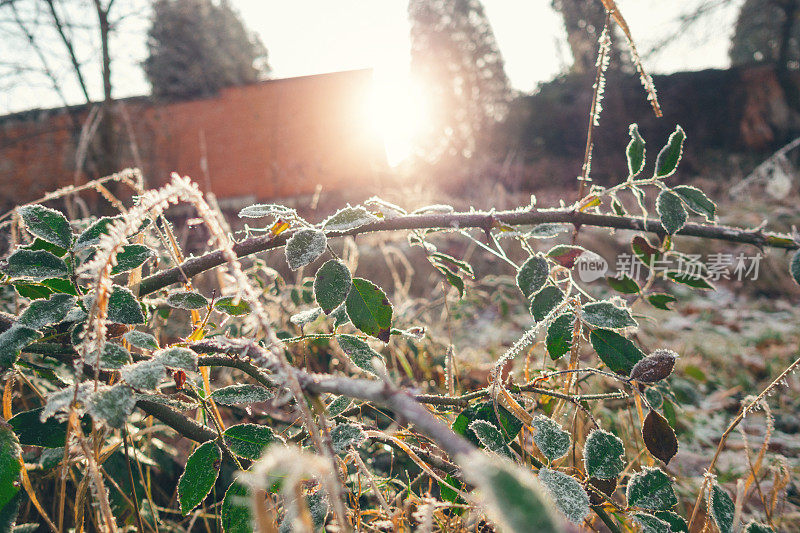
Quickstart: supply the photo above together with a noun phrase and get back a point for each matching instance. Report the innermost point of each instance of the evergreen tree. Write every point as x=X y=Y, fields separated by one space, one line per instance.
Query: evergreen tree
x=197 y=47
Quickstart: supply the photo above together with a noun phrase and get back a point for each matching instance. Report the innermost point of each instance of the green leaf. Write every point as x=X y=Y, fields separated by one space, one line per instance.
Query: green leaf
x=235 y=511
x=607 y=315
x=140 y=339
x=144 y=375
x=669 y=156
x=112 y=405
x=9 y=514
x=661 y=300
x=266 y=210
x=114 y=357
x=618 y=353
x=794 y=267
x=227 y=305
x=39 y=244
x=697 y=201
x=651 y=524
x=448 y=493
x=533 y=275
x=452 y=263
x=545 y=301
x=490 y=437
x=722 y=509
x=339 y=406
x=91 y=235
x=32 y=291
x=550 y=438
x=123 y=307
x=570 y=497
x=646 y=252
x=359 y=352
x=676 y=523
x=13 y=340
x=603 y=455
x=670 y=208
x=9 y=463
x=651 y=489
x=242 y=394
x=304 y=246
x=686 y=278
x=31 y=431
x=47 y=224
x=131 y=256
x=635 y=151
x=249 y=440
x=559 y=335
x=348 y=219
x=332 y=285
x=188 y=300
x=177 y=357
x=345 y=435
x=197 y=480
x=36 y=265
x=625 y=285
x=43 y=313
x=453 y=279
x=369 y=309
x=508 y=424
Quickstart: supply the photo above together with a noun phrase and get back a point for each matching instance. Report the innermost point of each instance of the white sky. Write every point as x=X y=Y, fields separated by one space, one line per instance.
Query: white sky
x=315 y=36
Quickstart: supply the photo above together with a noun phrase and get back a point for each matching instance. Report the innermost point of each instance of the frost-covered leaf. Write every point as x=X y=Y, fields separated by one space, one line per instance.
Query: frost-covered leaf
x=651 y=488
x=550 y=438
x=369 y=309
x=655 y=367
x=651 y=524
x=603 y=455
x=112 y=405
x=304 y=246
x=359 y=352
x=131 y=256
x=659 y=437
x=13 y=340
x=266 y=210
x=669 y=156
x=123 y=307
x=545 y=301
x=794 y=267
x=61 y=400
x=570 y=497
x=113 y=357
x=47 y=224
x=635 y=151
x=332 y=285
x=348 y=218
x=671 y=211
x=722 y=509
x=387 y=209
x=91 y=235
x=453 y=279
x=346 y=435
x=197 y=480
x=317 y=506
x=755 y=527
x=339 y=316
x=42 y=313
x=32 y=431
x=235 y=510
x=188 y=300
x=249 y=440
x=36 y=265
x=434 y=209
x=177 y=357
x=339 y=406
x=10 y=465
x=241 y=394
x=230 y=306
x=533 y=275
x=144 y=375
x=697 y=201
x=559 y=335
x=39 y=244
x=661 y=300
x=140 y=339
x=607 y=315
x=490 y=437
x=618 y=353
x=507 y=424
x=305 y=317
x=676 y=523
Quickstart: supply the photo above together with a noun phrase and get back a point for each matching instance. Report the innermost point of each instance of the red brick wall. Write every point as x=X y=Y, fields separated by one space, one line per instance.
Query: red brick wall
x=271 y=139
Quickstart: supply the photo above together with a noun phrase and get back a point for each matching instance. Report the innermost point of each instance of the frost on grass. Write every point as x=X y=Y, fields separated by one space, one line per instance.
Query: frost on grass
x=345 y=435
x=140 y=339
x=722 y=509
x=359 y=352
x=490 y=437
x=177 y=357
x=145 y=375
x=551 y=440
x=42 y=313
x=241 y=394
x=348 y=219
x=13 y=340
x=35 y=265
x=305 y=317
x=607 y=315
x=651 y=489
x=304 y=246
x=112 y=405
x=603 y=455
x=569 y=495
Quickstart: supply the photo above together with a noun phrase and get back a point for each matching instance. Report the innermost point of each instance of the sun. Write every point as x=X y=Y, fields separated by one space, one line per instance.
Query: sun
x=397 y=111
